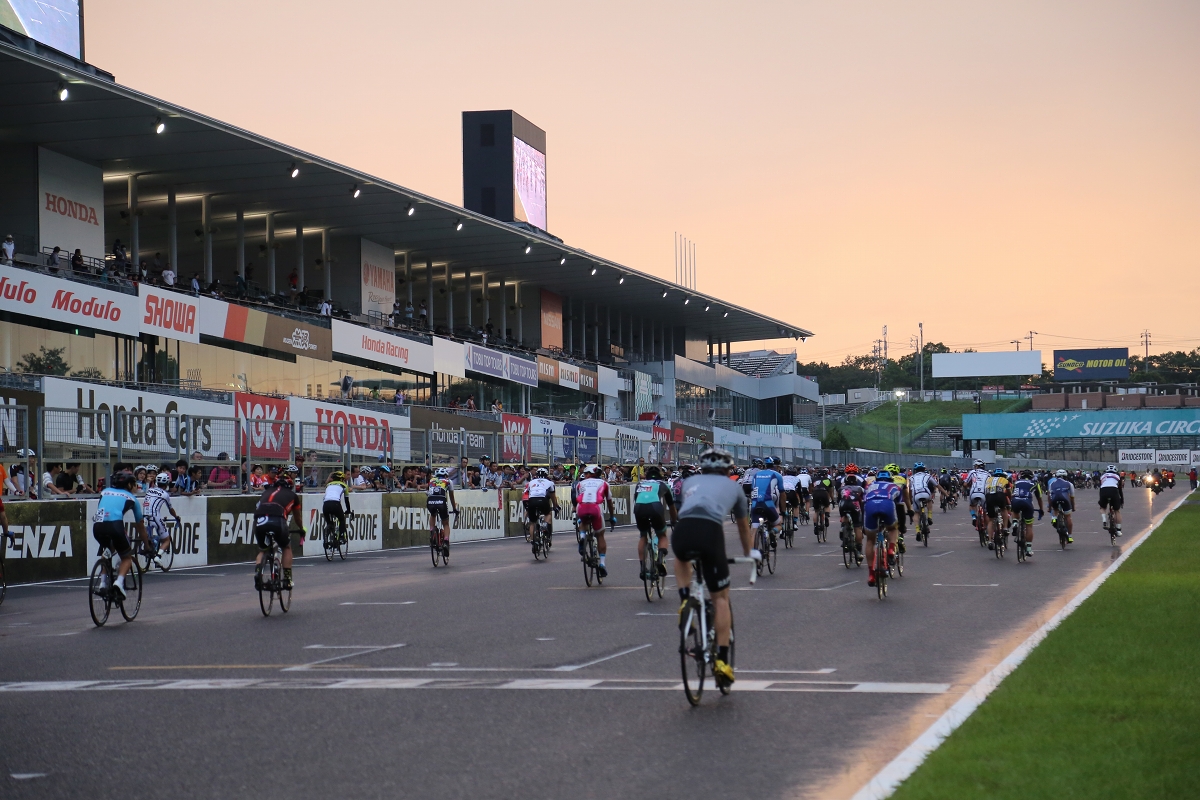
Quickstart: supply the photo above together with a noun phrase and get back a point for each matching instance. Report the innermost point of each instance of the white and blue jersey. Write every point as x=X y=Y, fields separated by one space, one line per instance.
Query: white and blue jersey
x=114 y=504
x=766 y=488
x=155 y=506
x=879 y=505
x=1062 y=491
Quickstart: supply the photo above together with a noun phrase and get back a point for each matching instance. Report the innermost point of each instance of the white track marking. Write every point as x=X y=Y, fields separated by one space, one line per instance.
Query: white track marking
x=401 y=603
x=26 y=776
x=968 y=585
x=573 y=667
x=339 y=658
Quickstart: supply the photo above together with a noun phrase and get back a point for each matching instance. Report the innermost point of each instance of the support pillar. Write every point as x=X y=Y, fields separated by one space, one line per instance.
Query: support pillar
x=206 y=223
x=300 y=257
x=450 y=299
x=173 y=235
x=408 y=275
x=429 y=281
x=520 y=313
x=134 y=241
x=503 y=311
x=241 y=244
x=583 y=329
x=570 y=320
x=327 y=264
x=271 y=253
x=470 y=321
x=596 y=332
x=487 y=301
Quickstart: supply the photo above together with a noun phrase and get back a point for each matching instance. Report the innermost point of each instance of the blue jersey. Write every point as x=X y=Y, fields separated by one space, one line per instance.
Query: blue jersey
x=882 y=491
x=1025 y=489
x=1061 y=489
x=114 y=504
x=766 y=488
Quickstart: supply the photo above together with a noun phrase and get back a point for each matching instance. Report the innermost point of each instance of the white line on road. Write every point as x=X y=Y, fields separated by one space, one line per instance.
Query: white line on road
x=970 y=585
x=573 y=667
x=303 y=667
x=939 y=555
x=401 y=603
x=655 y=614
x=25 y=776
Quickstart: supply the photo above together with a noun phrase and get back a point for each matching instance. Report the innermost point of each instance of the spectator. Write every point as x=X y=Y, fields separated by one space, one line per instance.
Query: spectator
x=487 y=477
x=294 y=283
x=196 y=284
x=399 y=397
x=53 y=262
x=363 y=481
x=1193 y=478
x=258 y=480
x=471 y=404
x=69 y=480
x=183 y=485
x=139 y=474
x=636 y=473
x=326 y=309
x=196 y=475
x=460 y=473
x=424 y=315
x=7 y=249
x=158 y=263
x=490 y=330
x=77 y=262
x=239 y=287
x=614 y=474
x=168 y=277
x=497 y=406
x=50 y=482
x=221 y=477
x=143 y=271
x=120 y=255
x=408 y=313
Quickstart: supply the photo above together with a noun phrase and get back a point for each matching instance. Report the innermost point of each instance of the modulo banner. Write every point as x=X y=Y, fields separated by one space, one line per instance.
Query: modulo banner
x=37 y=295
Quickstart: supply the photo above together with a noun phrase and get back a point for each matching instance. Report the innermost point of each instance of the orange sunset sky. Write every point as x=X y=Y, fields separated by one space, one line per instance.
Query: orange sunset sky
x=985 y=167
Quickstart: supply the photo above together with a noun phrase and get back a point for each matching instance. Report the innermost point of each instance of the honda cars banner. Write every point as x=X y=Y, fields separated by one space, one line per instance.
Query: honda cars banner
x=36 y=295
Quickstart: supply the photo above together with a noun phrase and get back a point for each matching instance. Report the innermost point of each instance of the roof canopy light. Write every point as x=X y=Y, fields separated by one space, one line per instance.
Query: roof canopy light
x=159 y=125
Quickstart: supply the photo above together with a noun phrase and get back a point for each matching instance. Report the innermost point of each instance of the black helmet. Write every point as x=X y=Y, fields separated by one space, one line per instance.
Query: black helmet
x=122 y=480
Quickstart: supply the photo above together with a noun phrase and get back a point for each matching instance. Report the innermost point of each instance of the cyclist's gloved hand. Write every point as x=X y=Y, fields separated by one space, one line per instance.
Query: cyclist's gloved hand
x=1040 y=515
x=613 y=520
x=756 y=554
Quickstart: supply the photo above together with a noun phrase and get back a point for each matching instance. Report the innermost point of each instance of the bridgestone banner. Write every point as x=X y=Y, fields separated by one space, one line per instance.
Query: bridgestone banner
x=1173 y=458
x=1138 y=457
x=364 y=531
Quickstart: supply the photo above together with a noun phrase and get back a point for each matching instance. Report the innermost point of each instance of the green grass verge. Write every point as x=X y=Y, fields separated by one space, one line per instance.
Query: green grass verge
x=1108 y=705
x=876 y=430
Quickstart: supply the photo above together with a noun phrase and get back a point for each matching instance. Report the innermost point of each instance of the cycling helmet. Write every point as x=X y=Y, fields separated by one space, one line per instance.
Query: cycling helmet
x=384 y=468
x=978 y=464
x=594 y=469
x=884 y=476
x=542 y=472
x=892 y=468
x=758 y=462
x=822 y=472
x=999 y=472
x=919 y=466
x=1062 y=473
x=337 y=475
x=162 y=479
x=686 y=469
x=943 y=470
x=139 y=468
x=1111 y=468
x=1026 y=473
x=122 y=480
x=768 y=461
x=675 y=476
x=26 y=453
x=714 y=459
x=442 y=472
x=852 y=469
x=851 y=479
x=292 y=470
x=653 y=473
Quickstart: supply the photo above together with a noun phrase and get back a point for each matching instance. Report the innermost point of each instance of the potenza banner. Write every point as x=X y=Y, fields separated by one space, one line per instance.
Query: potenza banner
x=378 y=347
x=1098 y=364
x=1083 y=424
x=169 y=314
x=50 y=540
x=37 y=295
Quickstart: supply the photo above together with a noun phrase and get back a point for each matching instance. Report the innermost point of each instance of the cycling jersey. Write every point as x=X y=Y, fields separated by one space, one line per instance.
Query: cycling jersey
x=539 y=487
x=789 y=482
x=996 y=484
x=852 y=496
x=335 y=491
x=977 y=478
x=276 y=501
x=1061 y=490
x=1110 y=480
x=881 y=491
x=590 y=494
x=766 y=488
x=822 y=489
x=805 y=481
x=156 y=504
x=921 y=484
x=1025 y=489
x=650 y=492
x=114 y=504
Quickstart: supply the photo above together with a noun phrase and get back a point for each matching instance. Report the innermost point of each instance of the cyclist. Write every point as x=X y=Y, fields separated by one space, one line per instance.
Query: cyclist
x=337 y=494
x=652 y=499
x=109 y=522
x=791 y=494
x=437 y=494
x=805 y=483
x=540 y=499
x=700 y=536
x=851 y=507
x=277 y=504
x=976 y=481
x=748 y=476
x=996 y=503
x=1024 y=490
x=1112 y=494
x=947 y=486
x=880 y=502
x=922 y=487
x=1061 y=492
x=154 y=507
x=822 y=494
x=765 y=493
x=590 y=494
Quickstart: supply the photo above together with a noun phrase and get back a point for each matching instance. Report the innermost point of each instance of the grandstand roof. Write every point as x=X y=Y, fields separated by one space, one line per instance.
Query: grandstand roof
x=763 y=363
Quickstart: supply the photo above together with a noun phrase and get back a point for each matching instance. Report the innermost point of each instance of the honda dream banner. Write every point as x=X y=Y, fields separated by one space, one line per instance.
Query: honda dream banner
x=552 y=320
x=169 y=314
x=46 y=297
x=375 y=346
x=378 y=277
x=71 y=211
x=1096 y=364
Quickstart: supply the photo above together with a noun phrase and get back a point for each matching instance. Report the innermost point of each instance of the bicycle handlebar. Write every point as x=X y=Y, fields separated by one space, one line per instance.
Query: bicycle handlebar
x=747 y=560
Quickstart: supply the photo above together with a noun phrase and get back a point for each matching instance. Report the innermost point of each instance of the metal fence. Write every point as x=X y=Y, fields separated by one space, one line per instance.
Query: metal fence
x=72 y=435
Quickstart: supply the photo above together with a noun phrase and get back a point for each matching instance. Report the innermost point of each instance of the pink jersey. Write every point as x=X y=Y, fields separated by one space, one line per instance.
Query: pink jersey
x=591 y=492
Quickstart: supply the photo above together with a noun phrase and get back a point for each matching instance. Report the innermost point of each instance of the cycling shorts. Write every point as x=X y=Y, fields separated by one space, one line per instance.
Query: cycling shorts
x=156 y=528
x=1062 y=505
x=879 y=514
x=703 y=540
x=820 y=499
x=765 y=512
x=438 y=509
x=273 y=529
x=536 y=507
x=335 y=509
x=112 y=535
x=994 y=502
x=649 y=516
x=590 y=514
x=854 y=513
x=977 y=498
x=1110 y=497
x=792 y=498
x=1023 y=507
x=922 y=497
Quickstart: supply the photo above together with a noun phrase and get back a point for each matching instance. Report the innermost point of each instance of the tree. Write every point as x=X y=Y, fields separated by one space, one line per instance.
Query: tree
x=835 y=440
x=49 y=362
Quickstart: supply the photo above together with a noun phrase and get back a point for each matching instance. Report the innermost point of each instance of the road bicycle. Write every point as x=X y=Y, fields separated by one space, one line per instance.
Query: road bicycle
x=145 y=553
x=789 y=528
x=922 y=522
x=591 y=555
x=103 y=595
x=981 y=526
x=805 y=518
x=882 y=563
x=999 y=537
x=698 y=635
x=1110 y=526
x=767 y=544
x=654 y=569
x=538 y=534
x=438 y=548
x=334 y=536
x=273 y=585
x=3 y=582
x=821 y=525
x=1060 y=524
x=850 y=554
x=1019 y=528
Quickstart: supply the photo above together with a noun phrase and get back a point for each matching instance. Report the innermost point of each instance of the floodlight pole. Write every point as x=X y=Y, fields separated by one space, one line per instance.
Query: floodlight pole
x=899 y=435
x=921 y=358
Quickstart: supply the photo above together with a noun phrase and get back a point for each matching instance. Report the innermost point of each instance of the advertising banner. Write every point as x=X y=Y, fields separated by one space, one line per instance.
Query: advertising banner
x=375 y=346
x=1073 y=424
x=608 y=381
x=233 y=322
x=479 y=517
x=71 y=207
x=297 y=338
x=547 y=370
x=568 y=375
x=521 y=370
x=51 y=541
x=261 y=438
x=1173 y=458
x=367 y=436
x=1138 y=457
x=588 y=381
x=1195 y=458
x=405 y=520
x=643 y=399
x=170 y=314
x=365 y=530
x=197 y=432
x=425 y=417
x=36 y=295
x=378 y=277
x=13 y=426
x=500 y=365
x=552 y=320
x=515 y=443
x=189 y=540
x=580 y=441
x=1095 y=364
x=231 y=529
x=982 y=365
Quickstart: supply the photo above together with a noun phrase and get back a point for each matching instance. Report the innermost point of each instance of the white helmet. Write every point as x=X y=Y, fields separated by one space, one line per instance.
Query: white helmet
x=1062 y=473
x=163 y=479
x=442 y=472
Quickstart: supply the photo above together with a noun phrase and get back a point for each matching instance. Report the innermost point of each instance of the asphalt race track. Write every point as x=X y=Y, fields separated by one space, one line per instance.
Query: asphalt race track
x=499 y=677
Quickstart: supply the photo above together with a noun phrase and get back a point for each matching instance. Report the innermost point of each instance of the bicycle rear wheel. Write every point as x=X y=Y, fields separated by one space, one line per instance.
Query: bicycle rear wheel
x=434 y=549
x=588 y=564
x=3 y=582
x=760 y=544
x=881 y=569
x=770 y=555
x=166 y=558
x=98 y=601
x=649 y=570
x=692 y=654
x=722 y=685
x=133 y=590
x=847 y=546
x=327 y=534
x=266 y=595
x=594 y=559
x=1021 y=544
x=998 y=541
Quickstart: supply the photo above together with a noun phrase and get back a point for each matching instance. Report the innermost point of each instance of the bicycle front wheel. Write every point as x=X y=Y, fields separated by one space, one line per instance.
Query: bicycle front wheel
x=133 y=590
x=692 y=654
x=435 y=549
x=266 y=595
x=98 y=601
x=649 y=570
x=769 y=556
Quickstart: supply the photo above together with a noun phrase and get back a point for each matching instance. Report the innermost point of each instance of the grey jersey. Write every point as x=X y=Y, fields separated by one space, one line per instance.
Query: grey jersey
x=712 y=497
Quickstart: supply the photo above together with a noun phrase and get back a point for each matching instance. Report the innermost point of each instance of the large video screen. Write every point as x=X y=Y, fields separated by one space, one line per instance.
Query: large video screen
x=54 y=23
x=529 y=184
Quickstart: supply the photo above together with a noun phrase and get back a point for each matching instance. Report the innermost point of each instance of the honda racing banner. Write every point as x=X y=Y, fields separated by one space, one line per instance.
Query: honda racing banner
x=36 y=295
x=374 y=346
x=169 y=314
x=264 y=438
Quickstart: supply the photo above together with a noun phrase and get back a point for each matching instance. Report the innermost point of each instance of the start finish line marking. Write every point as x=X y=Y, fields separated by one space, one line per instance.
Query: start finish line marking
x=468 y=683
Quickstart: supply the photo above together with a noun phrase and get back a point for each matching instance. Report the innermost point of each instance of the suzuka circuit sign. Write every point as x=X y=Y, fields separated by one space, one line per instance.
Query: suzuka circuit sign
x=1083 y=424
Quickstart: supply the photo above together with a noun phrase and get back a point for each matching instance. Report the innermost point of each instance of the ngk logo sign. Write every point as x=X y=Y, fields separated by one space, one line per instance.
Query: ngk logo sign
x=266 y=434
x=169 y=314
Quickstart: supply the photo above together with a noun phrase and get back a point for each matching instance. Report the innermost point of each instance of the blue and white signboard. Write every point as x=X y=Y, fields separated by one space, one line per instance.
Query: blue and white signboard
x=1083 y=424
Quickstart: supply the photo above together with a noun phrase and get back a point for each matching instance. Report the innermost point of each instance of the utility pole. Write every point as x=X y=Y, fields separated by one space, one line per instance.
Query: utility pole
x=921 y=357
x=1146 y=342
x=1030 y=338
